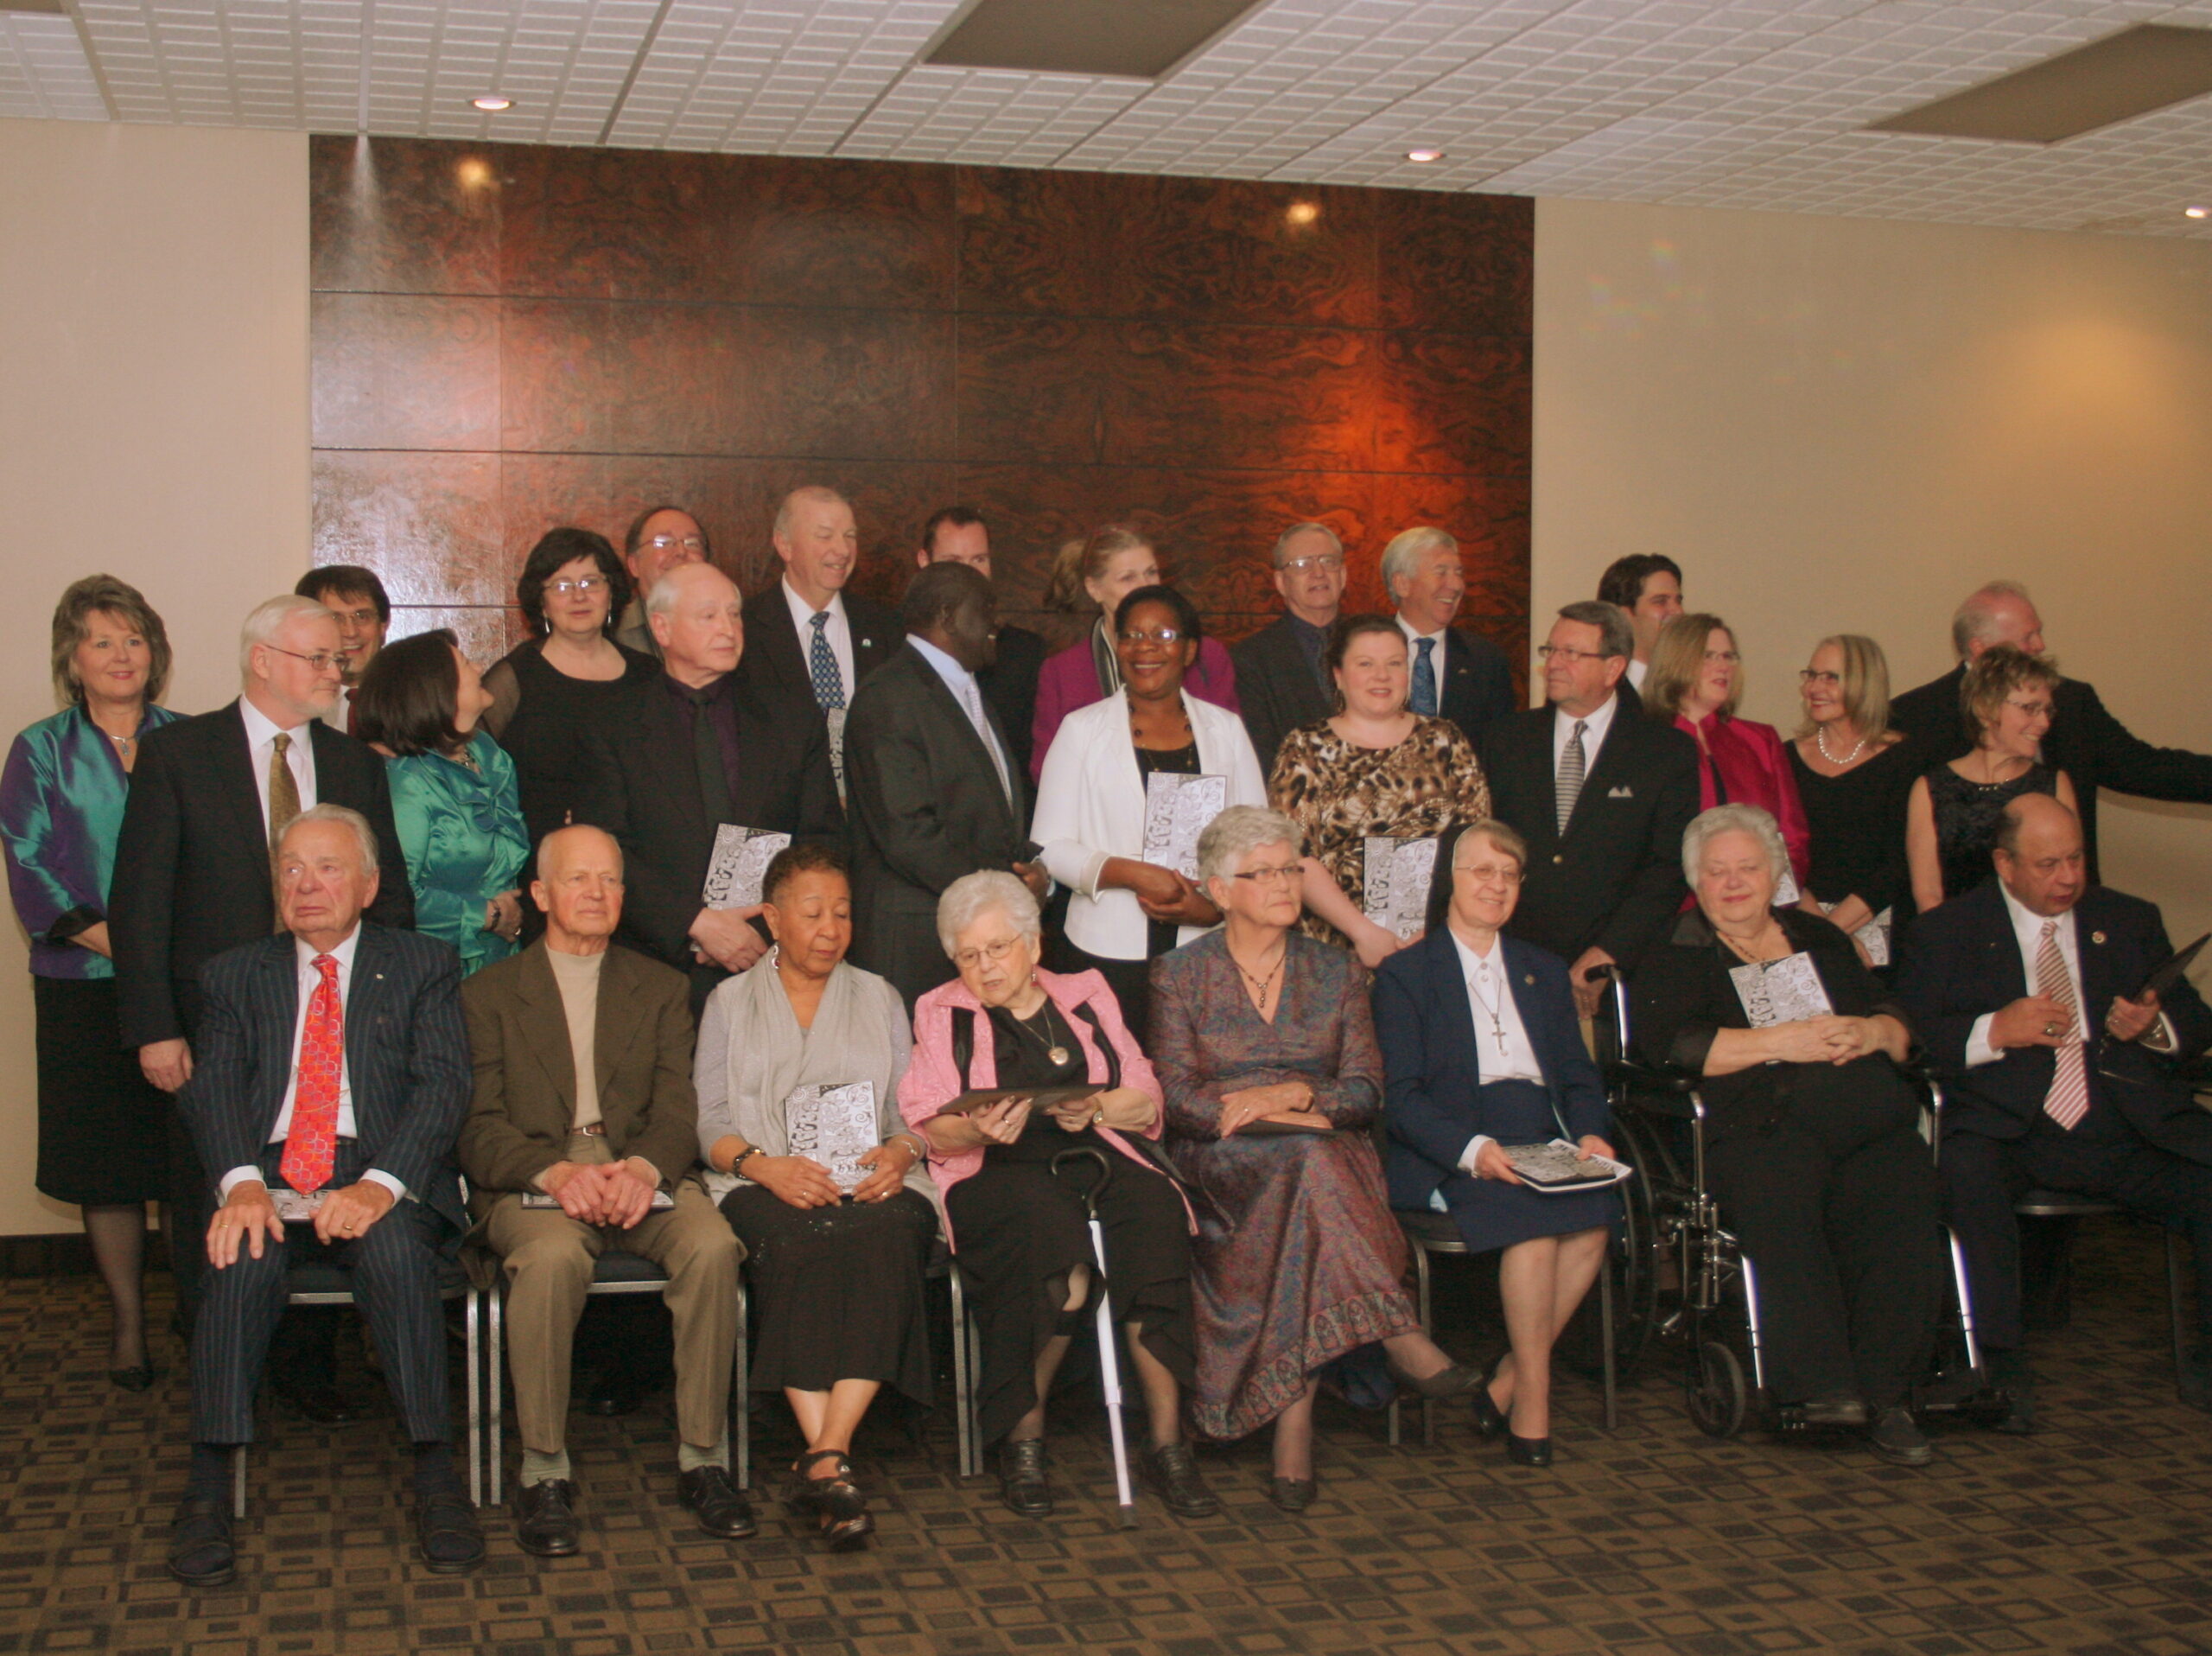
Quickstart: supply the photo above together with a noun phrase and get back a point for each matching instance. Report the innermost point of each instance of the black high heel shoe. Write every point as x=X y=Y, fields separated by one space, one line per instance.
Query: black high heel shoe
x=1527 y=1451
x=1490 y=1420
x=845 y=1521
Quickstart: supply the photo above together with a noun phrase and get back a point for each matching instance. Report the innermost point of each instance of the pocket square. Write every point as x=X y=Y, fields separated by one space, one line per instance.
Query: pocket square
x=1622 y=794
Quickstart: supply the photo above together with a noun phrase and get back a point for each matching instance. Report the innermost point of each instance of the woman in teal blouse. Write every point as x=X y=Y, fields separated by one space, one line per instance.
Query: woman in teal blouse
x=452 y=793
x=102 y=1129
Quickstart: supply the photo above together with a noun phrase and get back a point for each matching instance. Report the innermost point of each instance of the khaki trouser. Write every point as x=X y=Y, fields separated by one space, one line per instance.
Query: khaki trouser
x=548 y=1257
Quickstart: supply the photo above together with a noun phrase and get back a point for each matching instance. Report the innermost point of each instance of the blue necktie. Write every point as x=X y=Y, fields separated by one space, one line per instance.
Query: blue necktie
x=822 y=665
x=1424 y=696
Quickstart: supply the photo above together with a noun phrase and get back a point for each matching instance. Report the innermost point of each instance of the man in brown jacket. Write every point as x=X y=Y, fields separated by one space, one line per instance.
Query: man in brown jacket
x=582 y=1055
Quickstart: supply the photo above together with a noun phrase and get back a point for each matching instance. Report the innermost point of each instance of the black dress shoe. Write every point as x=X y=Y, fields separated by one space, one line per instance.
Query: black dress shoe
x=323 y=1404
x=1896 y=1437
x=545 y=1519
x=1527 y=1451
x=1292 y=1494
x=140 y=1379
x=201 y=1553
x=1490 y=1420
x=447 y=1530
x=1453 y=1380
x=839 y=1508
x=1021 y=1478
x=1835 y=1409
x=717 y=1503
x=1173 y=1473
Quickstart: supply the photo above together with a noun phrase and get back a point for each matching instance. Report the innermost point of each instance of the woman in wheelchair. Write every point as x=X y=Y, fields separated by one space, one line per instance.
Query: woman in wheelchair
x=1812 y=1144
x=1480 y=1051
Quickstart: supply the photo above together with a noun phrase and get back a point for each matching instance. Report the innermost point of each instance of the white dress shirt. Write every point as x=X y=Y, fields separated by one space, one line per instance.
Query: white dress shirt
x=1489 y=984
x=340 y=717
x=1442 y=637
x=261 y=733
x=1594 y=735
x=966 y=691
x=1637 y=670
x=2027 y=931
x=840 y=632
x=309 y=980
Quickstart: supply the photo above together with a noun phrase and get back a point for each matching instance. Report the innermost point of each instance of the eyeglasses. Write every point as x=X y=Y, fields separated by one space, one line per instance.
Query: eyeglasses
x=1158 y=635
x=993 y=952
x=670 y=543
x=1491 y=873
x=2033 y=709
x=321 y=660
x=585 y=584
x=1808 y=676
x=1288 y=872
x=1329 y=561
x=1549 y=651
x=1729 y=656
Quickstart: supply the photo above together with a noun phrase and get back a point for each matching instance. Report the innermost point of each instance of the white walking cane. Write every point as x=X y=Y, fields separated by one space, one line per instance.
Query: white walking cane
x=1109 y=1365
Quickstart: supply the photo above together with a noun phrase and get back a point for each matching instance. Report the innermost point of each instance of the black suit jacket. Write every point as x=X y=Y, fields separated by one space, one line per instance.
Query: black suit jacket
x=1277 y=690
x=927 y=809
x=406 y=1057
x=645 y=791
x=775 y=656
x=1478 y=687
x=192 y=874
x=1614 y=879
x=2084 y=740
x=1009 y=685
x=1963 y=960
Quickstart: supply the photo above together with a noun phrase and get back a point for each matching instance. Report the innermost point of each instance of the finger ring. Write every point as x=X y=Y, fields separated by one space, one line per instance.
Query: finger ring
x=2051 y=1029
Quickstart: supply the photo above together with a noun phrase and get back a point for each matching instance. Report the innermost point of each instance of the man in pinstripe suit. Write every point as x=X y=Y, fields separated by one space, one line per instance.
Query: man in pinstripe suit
x=332 y=1065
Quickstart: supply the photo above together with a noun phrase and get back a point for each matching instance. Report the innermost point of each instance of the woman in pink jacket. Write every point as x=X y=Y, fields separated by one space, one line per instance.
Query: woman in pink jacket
x=1092 y=576
x=1020 y=1229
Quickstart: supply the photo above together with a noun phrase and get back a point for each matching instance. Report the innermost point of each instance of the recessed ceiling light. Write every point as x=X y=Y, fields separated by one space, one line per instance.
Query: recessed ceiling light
x=492 y=105
x=1424 y=155
x=1302 y=213
x=2196 y=213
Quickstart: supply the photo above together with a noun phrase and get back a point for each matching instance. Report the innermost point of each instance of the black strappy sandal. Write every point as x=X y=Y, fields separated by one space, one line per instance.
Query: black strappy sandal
x=846 y=1521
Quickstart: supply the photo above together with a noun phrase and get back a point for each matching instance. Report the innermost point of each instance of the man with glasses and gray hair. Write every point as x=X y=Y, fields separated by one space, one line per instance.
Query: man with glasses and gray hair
x=660 y=538
x=193 y=876
x=1282 y=680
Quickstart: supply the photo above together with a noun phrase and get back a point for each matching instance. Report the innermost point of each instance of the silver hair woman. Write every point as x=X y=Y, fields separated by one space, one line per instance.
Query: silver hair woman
x=1006 y=1024
x=1812 y=1139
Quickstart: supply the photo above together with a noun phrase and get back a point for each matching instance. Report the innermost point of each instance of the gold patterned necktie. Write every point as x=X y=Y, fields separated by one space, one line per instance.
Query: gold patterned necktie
x=283 y=805
x=2067 y=1101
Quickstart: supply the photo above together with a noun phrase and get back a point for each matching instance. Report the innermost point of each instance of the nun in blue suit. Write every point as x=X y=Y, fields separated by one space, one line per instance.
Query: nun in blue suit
x=1481 y=1049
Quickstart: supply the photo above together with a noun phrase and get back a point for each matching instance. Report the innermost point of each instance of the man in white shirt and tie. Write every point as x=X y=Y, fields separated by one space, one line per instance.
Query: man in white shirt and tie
x=1455 y=674
x=2030 y=993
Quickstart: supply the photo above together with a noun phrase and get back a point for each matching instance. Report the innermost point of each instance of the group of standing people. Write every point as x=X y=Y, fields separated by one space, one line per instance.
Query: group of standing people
x=957 y=884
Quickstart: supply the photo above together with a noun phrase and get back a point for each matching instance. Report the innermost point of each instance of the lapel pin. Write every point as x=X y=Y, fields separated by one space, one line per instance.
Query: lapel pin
x=1528 y=978
x=2096 y=937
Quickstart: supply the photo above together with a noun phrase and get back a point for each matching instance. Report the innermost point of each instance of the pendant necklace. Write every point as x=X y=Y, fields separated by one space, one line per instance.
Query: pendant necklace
x=1260 y=985
x=1496 y=1017
x=1055 y=1054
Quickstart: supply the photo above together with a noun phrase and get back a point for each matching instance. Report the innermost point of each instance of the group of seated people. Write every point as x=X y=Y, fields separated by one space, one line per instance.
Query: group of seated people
x=759 y=940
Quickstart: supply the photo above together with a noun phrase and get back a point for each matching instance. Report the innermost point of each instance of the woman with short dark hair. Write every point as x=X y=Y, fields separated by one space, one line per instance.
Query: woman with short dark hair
x=452 y=793
x=103 y=1130
x=547 y=690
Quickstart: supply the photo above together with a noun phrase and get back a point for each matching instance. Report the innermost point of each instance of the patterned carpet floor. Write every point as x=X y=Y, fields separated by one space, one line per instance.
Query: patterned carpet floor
x=2095 y=1535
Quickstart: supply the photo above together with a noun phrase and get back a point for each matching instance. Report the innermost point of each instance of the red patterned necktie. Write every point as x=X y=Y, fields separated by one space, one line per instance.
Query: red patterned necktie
x=311 y=1148
x=2067 y=1101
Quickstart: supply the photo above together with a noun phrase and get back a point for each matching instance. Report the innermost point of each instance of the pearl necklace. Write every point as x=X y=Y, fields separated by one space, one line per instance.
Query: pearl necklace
x=1821 y=740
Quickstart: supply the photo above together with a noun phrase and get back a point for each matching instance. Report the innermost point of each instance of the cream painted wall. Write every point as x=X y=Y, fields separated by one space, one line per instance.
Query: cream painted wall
x=153 y=423
x=1845 y=425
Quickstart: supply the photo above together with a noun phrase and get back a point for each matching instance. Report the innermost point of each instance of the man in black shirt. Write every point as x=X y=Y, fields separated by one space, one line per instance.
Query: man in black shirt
x=1282 y=681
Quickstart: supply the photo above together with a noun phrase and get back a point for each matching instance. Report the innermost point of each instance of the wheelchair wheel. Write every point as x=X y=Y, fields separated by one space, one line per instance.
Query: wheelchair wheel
x=1633 y=1258
x=1716 y=1391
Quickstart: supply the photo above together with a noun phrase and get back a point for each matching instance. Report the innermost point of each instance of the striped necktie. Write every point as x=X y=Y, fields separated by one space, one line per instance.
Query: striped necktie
x=2067 y=1101
x=1567 y=786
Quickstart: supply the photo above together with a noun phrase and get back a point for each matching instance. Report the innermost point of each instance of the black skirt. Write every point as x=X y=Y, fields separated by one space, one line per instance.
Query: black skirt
x=103 y=1127
x=1491 y=1213
x=836 y=1291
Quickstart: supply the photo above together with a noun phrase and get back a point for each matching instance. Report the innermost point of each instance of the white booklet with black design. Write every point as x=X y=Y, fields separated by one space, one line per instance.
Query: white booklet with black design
x=739 y=862
x=1788 y=991
x=835 y=1125
x=1177 y=808
x=1395 y=882
x=1560 y=1165
x=1874 y=935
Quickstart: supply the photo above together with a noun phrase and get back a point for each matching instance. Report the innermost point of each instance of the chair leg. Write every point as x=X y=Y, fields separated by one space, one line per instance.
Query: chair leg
x=495 y=1374
x=238 y=1480
x=740 y=1388
x=471 y=1304
x=2177 y=1310
x=963 y=1400
x=1605 y=1339
x=1428 y=1328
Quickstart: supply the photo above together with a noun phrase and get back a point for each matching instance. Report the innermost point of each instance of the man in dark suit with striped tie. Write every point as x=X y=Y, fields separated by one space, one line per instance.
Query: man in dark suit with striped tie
x=333 y=1072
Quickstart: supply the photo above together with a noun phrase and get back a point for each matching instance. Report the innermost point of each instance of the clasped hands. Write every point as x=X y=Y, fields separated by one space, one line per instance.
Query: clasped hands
x=1287 y=1102
x=502 y=915
x=726 y=938
x=248 y=1216
x=1831 y=1039
x=602 y=1192
x=805 y=1183
x=2041 y=1020
x=1166 y=893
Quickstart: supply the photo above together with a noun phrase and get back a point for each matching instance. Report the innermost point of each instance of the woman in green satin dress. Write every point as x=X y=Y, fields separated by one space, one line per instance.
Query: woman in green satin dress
x=453 y=795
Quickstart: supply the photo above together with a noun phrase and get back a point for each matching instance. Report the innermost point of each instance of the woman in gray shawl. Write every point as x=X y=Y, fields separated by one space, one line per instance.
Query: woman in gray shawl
x=798 y=1071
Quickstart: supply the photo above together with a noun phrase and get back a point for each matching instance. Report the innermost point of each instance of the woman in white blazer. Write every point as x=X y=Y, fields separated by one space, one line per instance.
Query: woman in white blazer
x=1090 y=800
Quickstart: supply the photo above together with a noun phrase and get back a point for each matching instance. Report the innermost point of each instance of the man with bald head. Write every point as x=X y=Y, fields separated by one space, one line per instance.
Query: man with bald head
x=2084 y=740
x=2028 y=993
x=582 y=1055
x=677 y=758
x=813 y=640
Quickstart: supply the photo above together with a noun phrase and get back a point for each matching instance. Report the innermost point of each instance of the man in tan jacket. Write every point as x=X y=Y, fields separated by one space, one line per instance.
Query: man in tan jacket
x=582 y=1055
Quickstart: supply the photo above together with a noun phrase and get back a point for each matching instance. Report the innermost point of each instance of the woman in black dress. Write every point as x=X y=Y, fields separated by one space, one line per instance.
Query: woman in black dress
x=1953 y=816
x=1853 y=775
x=547 y=692
x=1018 y=1227
x=1813 y=1147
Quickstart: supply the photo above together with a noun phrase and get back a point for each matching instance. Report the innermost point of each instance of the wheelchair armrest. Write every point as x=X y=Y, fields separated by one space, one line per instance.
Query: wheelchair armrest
x=1674 y=1093
x=1656 y=1078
